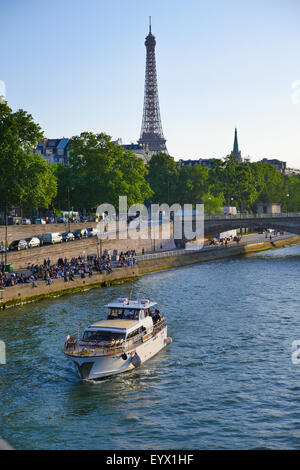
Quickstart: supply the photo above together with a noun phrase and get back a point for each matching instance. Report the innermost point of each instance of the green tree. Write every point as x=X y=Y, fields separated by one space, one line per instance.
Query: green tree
x=192 y=184
x=163 y=178
x=212 y=204
x=271 y=184
x=25 y=178
x=101 y=171
x=215 y=176
x=245 y=191
x=237 y=183
x=293 y=191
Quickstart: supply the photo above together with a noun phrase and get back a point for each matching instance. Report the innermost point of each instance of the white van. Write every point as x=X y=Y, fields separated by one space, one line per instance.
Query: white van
x=52 y=237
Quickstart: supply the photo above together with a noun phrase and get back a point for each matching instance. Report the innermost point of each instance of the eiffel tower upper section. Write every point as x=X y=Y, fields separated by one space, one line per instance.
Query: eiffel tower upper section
x=152 y=137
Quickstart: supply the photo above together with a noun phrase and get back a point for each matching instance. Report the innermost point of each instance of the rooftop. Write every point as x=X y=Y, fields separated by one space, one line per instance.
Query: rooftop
x=114 y=324
x=132 y=304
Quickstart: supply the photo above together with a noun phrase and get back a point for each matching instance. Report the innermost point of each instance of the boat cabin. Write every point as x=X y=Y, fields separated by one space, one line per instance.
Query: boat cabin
x=130 y=309
x=126 y=320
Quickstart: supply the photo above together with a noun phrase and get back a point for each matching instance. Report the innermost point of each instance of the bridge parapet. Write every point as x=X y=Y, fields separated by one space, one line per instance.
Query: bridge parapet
x=288 y=215
x=286 y=222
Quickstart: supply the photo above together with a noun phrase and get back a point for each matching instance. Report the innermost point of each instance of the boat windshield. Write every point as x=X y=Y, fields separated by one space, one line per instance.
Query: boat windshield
x=103 y=335
x=123 y=313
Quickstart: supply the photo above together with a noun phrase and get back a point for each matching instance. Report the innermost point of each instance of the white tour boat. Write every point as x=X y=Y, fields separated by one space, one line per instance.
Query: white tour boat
x=133 y=333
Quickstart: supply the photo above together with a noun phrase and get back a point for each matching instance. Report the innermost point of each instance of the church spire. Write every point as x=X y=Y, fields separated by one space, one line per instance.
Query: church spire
x=236 y=152
x=235 y=144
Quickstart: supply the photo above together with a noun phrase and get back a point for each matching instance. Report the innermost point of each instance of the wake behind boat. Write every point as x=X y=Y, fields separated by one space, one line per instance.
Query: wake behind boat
x=133 y=333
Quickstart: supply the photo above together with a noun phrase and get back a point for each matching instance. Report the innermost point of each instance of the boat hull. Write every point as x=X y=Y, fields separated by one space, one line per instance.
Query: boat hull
x=96 y=367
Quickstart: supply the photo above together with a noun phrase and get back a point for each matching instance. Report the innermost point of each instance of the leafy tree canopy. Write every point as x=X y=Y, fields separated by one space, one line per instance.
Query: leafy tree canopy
x=25 y=178
x=163 y=178
x=100 y=171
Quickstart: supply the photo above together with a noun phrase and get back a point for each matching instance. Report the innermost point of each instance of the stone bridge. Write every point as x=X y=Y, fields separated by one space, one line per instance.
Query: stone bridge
x=281 y=222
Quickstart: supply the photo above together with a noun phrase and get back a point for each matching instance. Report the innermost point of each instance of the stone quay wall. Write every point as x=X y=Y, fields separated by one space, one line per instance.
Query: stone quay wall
x=83 y=247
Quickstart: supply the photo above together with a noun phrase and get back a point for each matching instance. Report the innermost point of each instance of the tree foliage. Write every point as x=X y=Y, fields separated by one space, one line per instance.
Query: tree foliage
x=99 y=172
x=25 y=178
x=163 y=178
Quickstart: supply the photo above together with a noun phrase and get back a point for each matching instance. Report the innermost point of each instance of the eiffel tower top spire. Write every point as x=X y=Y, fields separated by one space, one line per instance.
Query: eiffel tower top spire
x=151 y=136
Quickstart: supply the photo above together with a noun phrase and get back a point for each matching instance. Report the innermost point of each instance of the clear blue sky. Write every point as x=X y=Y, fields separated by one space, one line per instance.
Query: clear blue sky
x=79 y=65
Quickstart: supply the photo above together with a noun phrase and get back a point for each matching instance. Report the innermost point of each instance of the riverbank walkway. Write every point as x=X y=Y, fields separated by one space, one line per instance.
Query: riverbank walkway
x=83 y=267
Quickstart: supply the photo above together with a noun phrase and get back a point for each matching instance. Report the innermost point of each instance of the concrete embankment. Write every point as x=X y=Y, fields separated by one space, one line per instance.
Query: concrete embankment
x=83 y=247
x=24 y=293
x=159 y=264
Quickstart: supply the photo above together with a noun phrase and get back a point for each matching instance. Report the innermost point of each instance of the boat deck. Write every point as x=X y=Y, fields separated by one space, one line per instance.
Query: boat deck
x=75 y=349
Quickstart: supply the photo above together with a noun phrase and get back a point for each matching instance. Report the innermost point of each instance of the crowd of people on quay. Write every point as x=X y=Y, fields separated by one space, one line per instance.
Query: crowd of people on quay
x=273 y=233
x=127 y=259
x=68 y=269
x=225 y=241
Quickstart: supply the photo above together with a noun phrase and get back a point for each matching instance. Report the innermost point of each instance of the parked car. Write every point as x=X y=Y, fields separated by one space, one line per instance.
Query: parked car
x=26 y=221
x=33 y=242
x=14 y=220
x=52 y=237
x=92 y=232
x=80 y=233
x=60 y=220
x=68 y=236
x=18 y=245
x=40 y=221
x=40 y=237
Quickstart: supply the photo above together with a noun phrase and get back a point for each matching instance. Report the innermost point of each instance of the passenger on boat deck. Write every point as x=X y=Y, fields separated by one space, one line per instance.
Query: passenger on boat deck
x=111 y=339
x=157 y=316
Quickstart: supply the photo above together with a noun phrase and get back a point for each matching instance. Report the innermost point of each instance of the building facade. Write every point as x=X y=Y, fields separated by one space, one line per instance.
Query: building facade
x=54 y=150
x=278 y=164
x=206 y=162
x=139 y=150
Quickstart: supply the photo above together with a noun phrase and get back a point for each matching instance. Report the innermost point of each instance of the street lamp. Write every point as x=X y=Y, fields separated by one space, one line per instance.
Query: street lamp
x=69 y=223
x=287 y=201
x=209 y=205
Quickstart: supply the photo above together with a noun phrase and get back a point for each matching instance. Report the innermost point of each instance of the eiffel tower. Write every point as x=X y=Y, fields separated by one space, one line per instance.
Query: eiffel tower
x=152 y=137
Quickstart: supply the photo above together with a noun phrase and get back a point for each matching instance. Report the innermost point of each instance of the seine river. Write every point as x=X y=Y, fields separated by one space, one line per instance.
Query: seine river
x=227 y=381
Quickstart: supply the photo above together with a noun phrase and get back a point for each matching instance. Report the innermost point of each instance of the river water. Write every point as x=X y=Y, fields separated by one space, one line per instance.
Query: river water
x=227 y=380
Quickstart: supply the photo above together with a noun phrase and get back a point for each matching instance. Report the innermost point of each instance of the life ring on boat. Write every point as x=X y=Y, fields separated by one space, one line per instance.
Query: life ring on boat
x=136 y=360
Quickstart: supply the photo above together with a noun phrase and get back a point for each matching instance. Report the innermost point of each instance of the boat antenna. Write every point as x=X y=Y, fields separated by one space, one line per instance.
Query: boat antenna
x=130 y=293
x=78 y=331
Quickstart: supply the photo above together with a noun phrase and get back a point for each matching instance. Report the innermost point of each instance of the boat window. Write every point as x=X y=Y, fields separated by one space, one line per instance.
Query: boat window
x=102 y=335
x=136 y=332
x=131 y=314
x=115 y=313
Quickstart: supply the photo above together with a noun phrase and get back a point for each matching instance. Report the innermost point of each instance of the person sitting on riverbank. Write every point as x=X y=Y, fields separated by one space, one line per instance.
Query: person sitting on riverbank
x=64 y=268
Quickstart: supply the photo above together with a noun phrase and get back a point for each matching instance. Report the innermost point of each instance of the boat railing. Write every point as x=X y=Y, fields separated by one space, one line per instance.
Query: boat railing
x=75 y=346
x=80 y=347
x=160 y=325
